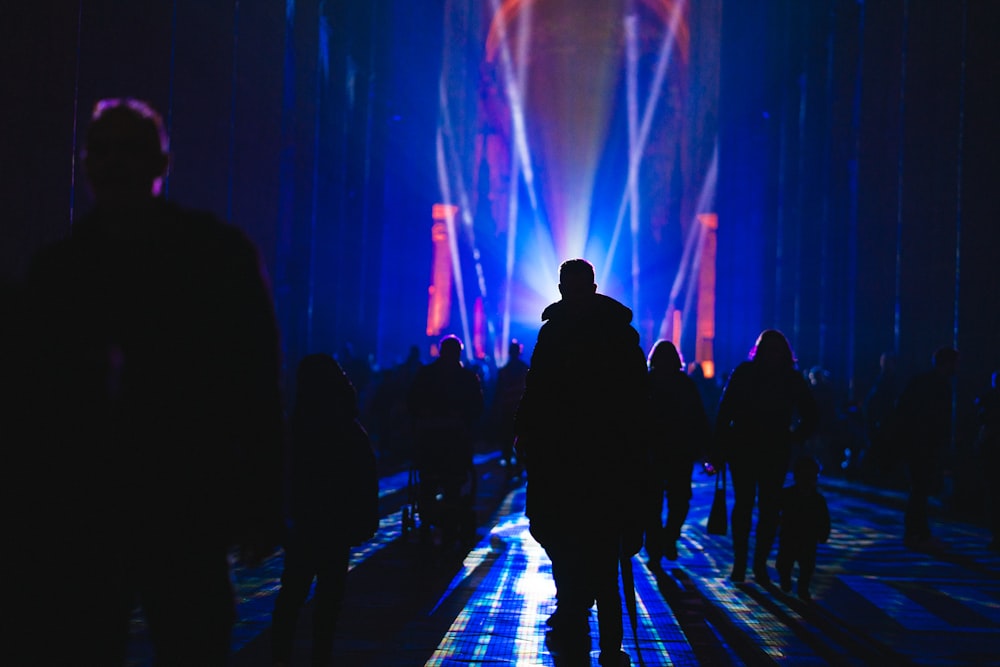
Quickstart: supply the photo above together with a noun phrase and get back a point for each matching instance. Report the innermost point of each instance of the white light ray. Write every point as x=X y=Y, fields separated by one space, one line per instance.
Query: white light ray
x=456 y=262
x=632 y=102
x=694 y=241
x=662 y=64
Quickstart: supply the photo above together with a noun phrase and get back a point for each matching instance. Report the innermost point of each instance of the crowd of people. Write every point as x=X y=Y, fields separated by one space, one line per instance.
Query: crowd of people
x=152 y=442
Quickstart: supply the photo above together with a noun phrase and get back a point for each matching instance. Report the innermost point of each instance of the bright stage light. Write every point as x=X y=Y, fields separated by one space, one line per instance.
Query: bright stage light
x=553 y=72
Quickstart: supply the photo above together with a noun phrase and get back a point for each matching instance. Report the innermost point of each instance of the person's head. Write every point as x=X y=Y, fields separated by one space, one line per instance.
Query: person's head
x=665 y=357
x=322 y=384
x=945 y=361
x=514 y=349
x=450 y=349
x=125 y=154
x=772 y=350
x=806 y=472
x=576 y=279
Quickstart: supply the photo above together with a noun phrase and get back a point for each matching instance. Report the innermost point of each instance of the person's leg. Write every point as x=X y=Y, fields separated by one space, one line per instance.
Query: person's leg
x=744 y=495
x=807 y=566
x=678 y=505
x=570 y=556
x=786 y=560
x=604 y=574
x=916 y=519
x=655 y=536
x=296 y=579
x=772 y=478
x=331 y=583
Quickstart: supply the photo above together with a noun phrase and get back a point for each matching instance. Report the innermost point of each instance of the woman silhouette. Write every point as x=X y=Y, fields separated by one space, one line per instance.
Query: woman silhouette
x=765 y=408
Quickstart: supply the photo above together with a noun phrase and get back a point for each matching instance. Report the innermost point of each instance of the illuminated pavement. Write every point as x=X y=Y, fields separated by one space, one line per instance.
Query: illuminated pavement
x=875 y=602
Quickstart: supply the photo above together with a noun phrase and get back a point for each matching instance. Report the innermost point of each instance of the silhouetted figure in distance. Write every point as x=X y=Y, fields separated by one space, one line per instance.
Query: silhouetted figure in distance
x=879 y=411
x=157 y=418
x=923 y=421
x=766 y=407
x=333 y=494
x=445 y=403
x=826 y=444
x=679 y=435
x=988 y=445
x=580 y=428
x=393 y=427
x=509 y=388
x=708 y=387
x=805 y=522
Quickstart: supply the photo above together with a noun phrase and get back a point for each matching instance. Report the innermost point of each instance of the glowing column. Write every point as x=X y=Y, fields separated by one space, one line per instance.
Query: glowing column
x=439 y=293
x=704 y=347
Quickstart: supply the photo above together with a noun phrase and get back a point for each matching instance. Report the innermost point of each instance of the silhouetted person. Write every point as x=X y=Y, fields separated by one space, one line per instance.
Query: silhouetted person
x=579 y=428
x=679 y=434
x=445 y=403
x=988 y=443
x=766 y=406
x=708 y=388
x=805 y=522
x=509 y=388
x=157 y=419
x=825 y=443
x=879 y=409
x=923 y=420
x=393 y=426
x=333 y=504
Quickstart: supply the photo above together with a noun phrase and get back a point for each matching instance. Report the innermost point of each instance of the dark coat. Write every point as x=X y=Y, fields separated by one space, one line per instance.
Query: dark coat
x=445 y=403
x=333 y=482
x=155 y=378
x=580 y=420
x=509 y=388
x=762 y=412
x=923 y=417
x=680 y=431
x=805 y=517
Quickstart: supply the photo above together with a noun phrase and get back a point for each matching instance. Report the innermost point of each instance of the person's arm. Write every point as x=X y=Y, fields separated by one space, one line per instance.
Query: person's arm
x=698 y=430
x=254 y=365
x=807 y=409
x=729 y=404
x=824 y=533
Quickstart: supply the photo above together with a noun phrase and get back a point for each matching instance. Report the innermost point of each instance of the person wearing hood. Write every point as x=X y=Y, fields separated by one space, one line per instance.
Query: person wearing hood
x=579 y=427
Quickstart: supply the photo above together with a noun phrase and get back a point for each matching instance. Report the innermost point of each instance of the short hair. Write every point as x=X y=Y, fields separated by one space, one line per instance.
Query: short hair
x=665 y=356
x=450 y=346
x=153 y=133
x=576 y=271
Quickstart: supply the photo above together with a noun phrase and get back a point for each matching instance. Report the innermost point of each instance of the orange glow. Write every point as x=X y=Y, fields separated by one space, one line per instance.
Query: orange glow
x=442 y=212
x=479 y=329
x=704 y=350
x=439 y=292
x=506 y=16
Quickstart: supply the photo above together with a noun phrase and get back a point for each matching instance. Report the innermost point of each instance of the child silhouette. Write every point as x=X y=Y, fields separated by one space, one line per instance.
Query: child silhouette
x=805 y=522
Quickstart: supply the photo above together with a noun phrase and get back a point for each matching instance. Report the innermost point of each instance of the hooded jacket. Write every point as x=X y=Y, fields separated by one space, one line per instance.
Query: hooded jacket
x=580 y=416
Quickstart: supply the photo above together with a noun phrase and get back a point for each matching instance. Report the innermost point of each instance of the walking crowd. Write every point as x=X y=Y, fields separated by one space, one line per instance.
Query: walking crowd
x=144 y=400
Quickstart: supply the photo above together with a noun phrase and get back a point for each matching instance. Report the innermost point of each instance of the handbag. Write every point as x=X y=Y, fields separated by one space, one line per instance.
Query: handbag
x=718 y=523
